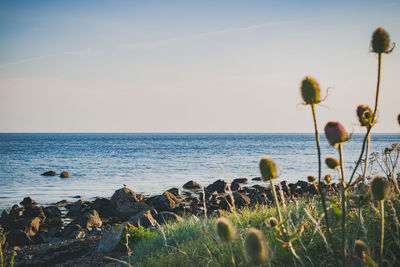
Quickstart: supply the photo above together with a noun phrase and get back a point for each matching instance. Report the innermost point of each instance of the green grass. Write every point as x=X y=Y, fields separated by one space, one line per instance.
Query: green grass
x=193 y=242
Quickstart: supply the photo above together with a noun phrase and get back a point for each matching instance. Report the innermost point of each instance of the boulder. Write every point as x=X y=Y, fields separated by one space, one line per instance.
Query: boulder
x=256 y=179
x=18 y=238
x=89 y=220
x=175 y=191
x=123 y=195
x=129 y=209
x=64 y=174
x=165 y=202
x=240 y=201
x=27 y=202
x=235 y=186
x=218 y=186
x=51 y=211
x=191 y=185
x=104 y=207
x=49 y=173
x=166 y=216
x=110 y=239
x=240 y=181
x=34 y=211
x=77 y=208
x=144 y=219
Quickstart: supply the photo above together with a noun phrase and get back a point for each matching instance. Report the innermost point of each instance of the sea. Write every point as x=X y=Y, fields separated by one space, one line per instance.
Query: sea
x=100 y=163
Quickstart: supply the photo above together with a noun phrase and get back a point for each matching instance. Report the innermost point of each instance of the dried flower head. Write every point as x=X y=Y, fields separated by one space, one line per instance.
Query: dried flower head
x=380 y=41
x=310 y=91
x=379 y=188
x=332 y=163
x=360 y=248
x=255 y=247
x=268 y=169
x=328 y=178
x=273 y=222
x=225 y=230
x=311 y=179
x=335 y=133
x=364 y=114
x=398 y=118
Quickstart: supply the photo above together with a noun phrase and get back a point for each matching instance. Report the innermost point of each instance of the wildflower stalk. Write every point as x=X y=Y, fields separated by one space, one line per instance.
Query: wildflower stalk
x=343 y=193
x=233 y=258
x=276 y=201
x=382 y=209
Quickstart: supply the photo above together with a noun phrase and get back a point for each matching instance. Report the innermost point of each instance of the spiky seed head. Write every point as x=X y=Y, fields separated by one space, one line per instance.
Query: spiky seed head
x=255 y=247
x=335 y=133
x=268 y=169
x=398 y=118
x=273 y=222
x=310 y=91
x=364 y=114
x=332 y=163
x=311 y=179
x=380 y=41
x=225 y=230
x=379 y=188
x=328 y=178
x=361 y=247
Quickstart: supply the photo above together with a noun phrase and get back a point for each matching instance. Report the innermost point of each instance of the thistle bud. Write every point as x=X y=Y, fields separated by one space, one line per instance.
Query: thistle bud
x=380 y=41
x=225 y=230
x=379 y=188
x=311 y=179
x=310 y=91
x=332 y=163
x=273 y=222
x=364 y=115
x=360 y=247
x=255 y=247
x=335 y=133
x=328 y=178
x=267 y=169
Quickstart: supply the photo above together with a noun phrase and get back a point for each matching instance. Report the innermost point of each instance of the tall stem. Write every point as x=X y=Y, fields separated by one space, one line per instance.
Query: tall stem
x=382 y=202
x=320 y=189
x=343 y=191
x=276 y=201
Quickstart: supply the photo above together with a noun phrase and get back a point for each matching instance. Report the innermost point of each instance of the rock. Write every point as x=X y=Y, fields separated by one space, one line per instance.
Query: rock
x=49 y=173
x=240 y=181
x=27 y=202
x=41 y=237
x=16 y=211
x=165 y=202
x=235 y=186
x=191 y=185
x=218 y=186
x=285 y=187
x=110 y=239
x=64 y=174
x=104 y=207
x=18 y=238
x=129 y=209
x=77 y=235
x=70 y=228
x=123 y=195
x=34 y=211
x=302 y=184
x=77 y=208
x=166 y=216
x=89 y=220
x=260 y=188
x=256 y=179
x=175 y=191
x=54 y=221
x=144 y=219
x=240 y=201
x=51 y=211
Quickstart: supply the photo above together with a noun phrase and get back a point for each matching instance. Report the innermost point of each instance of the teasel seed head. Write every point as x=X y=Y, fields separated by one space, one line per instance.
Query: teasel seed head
x=268 y=169
x=398 y=118
x=360 y=247
x=332 y=163
x=335 y=133
x=380 y=41
x=364 y=114
x=273 y=222
x=311 y=179
x=379 y=188
x=225 y=230
x=327 y=178
x=310 y=91
x=256 y=248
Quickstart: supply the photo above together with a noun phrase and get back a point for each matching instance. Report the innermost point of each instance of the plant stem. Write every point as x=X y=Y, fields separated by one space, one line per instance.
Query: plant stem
x=320 y=189
x=233 y=258
x=382 y=202
x=343 y=191
x=276 y=201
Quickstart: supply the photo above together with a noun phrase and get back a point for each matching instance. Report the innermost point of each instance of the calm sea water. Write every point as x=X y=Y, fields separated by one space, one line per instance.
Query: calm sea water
x=150 y=163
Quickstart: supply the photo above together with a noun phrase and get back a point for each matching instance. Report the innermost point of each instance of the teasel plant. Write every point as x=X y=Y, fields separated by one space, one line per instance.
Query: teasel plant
x=336 y=136
x=380 y=191
x=226 y=233
x=256 y=248
x=311 y=94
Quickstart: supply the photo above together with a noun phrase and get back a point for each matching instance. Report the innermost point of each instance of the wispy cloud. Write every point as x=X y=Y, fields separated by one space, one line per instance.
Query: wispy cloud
x=158 y=43
x=30 y=59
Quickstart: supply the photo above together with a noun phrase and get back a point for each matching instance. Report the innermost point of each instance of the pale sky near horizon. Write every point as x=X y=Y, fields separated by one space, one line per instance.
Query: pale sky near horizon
x=192 y=66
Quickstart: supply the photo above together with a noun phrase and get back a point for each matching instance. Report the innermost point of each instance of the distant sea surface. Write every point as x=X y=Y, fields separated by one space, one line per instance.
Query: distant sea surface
x=99 y=164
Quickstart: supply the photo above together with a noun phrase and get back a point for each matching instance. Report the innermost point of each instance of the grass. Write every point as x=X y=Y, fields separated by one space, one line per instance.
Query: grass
x=193 y=242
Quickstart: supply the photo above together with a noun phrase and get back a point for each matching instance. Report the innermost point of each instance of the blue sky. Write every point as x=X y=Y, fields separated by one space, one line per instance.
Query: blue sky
x=191 y=66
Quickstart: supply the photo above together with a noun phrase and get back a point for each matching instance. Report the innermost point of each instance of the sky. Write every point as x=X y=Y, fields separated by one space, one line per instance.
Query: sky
x=192 y=66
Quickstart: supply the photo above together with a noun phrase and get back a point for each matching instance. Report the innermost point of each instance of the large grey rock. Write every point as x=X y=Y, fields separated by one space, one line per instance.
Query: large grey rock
x=165 y=202
x=191 y=185
x=166 y=216
x=218 y=186
x=123 y=195
x=143 y=219
x=89 y=220
x=64 y=174
x=129 y=209
x=27 y=202
x=110 y=239
x=18 y=238
x=49 y=173
x=104 y=207
x=240 y=181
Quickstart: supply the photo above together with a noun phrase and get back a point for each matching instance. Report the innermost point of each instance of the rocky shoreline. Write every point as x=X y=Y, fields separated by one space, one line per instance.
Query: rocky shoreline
x=66 y=234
